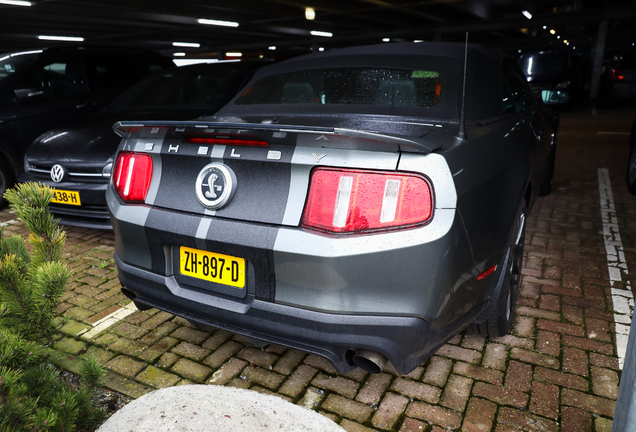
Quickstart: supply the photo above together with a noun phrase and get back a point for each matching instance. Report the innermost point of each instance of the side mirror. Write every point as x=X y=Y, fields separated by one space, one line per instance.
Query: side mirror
x=28 y=93
x=554 y=97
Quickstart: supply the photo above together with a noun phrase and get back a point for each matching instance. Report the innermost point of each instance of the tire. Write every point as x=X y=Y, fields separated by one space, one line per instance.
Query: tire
x=499 y=322
x=6 y=181
x=546 y=185
x=631 y=163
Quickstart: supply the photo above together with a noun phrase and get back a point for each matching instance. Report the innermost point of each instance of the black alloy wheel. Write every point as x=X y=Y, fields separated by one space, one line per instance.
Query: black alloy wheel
x=499 y=322
x=631 y=170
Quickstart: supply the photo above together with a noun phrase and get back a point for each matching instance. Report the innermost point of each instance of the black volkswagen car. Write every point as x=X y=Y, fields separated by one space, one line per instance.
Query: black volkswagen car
x=77 y=160
x=46 y=88
x=351 y=203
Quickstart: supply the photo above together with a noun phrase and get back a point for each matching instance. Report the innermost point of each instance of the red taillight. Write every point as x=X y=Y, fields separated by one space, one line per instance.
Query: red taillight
x=353 y=201
x=132 y=175
x=616 y=74
x=226 y=141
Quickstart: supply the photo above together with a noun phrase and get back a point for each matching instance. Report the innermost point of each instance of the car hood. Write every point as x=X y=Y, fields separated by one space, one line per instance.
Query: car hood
x=89 y=141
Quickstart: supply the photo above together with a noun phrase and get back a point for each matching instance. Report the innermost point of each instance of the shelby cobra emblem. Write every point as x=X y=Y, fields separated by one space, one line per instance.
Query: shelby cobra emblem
x=216 y=185
x=57 y=173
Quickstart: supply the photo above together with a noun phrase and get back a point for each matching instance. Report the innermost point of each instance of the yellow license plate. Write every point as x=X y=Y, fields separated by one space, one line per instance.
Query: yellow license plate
x=213 y=267
x=66 y=197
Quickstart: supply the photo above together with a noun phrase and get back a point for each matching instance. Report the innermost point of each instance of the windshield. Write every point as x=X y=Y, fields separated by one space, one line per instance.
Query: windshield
x=11 y=63
x=197 y=88
x=348 y=86
x=543 y=63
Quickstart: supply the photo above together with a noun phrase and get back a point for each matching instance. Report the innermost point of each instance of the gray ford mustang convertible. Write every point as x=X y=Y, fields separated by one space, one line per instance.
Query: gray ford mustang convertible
x=352 y=203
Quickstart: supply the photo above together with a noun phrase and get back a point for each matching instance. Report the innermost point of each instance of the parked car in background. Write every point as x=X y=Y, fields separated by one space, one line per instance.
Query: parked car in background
x=338 y=205
x=45 y=88
x=619 y=79
x=557 y=77
x=631 y=163
x=77 y=160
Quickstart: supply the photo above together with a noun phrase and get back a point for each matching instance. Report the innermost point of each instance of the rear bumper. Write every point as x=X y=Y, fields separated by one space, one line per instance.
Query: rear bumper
x=405 y=341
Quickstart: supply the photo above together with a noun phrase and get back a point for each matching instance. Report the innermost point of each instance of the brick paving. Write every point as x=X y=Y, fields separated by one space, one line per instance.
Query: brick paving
x=557 y=370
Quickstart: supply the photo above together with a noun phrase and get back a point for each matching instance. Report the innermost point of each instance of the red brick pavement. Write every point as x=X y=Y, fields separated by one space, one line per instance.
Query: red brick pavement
x=557 y=370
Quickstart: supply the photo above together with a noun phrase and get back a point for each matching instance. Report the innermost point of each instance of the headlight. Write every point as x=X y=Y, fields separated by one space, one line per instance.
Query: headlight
x=563 y=84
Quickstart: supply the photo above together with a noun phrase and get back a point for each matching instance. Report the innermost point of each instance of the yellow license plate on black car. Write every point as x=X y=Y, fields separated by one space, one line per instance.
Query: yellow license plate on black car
x=66 y=197
x=213 y=267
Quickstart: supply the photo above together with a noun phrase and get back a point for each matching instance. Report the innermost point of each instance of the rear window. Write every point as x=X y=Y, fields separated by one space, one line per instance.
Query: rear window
x=348 y=86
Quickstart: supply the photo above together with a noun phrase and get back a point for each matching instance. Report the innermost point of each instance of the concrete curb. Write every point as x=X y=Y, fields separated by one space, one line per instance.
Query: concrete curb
x=199 y=408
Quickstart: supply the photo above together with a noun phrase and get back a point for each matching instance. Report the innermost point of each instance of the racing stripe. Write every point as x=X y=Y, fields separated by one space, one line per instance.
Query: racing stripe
x=263 y=177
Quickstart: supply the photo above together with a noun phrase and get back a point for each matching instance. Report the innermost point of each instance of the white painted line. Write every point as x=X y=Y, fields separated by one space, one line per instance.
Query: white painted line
x=9 y=222
x=622 y=299
x=109 y=320
x=612 y=133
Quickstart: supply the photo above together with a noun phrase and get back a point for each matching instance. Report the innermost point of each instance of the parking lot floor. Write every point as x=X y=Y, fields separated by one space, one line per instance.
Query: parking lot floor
x=557 y=370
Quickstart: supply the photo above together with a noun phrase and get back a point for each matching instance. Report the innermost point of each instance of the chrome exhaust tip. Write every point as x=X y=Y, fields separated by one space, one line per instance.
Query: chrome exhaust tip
x=369 y=361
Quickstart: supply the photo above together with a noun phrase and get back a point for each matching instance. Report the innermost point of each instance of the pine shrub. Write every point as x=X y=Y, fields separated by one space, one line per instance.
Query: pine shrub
x=33 y=396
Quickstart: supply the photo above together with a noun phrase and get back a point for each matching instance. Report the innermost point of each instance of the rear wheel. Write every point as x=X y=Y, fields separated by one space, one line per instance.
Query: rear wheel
x=631 y=171
x=499 y=322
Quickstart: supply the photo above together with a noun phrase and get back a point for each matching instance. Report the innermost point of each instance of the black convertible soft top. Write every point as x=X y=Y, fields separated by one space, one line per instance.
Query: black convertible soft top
x=483 y=80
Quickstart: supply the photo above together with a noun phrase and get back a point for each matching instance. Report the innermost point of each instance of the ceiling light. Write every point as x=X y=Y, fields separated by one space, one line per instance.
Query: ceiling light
x=321 y=49
x=186 y=44
x=418 y=41
x=179 y=54
x=233 y=54
x=321 y=33
x=272 y=48
x=527 y=14
x=552 y=31
x=386 y=39
x=558 y=37
x=16 y=2
x=310 y=13
x=61 y=38
x=218 y=22
x=545 y=27
x=565 y=41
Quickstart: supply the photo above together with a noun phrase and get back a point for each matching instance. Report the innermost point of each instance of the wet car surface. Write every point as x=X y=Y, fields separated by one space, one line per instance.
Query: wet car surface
x=339 y=205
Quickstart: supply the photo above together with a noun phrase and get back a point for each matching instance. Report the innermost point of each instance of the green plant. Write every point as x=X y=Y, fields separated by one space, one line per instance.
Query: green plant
x=33 y=397
x=31 y=282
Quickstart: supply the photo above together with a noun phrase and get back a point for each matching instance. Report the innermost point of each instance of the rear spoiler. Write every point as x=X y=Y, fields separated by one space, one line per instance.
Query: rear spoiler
x=125 y=128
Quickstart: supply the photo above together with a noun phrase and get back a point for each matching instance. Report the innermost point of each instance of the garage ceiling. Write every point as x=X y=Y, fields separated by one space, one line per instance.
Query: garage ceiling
x=156 y=24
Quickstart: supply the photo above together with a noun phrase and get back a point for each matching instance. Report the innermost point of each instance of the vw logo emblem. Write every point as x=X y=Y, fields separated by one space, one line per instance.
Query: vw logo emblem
x=58 y=173
x=216 y=185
